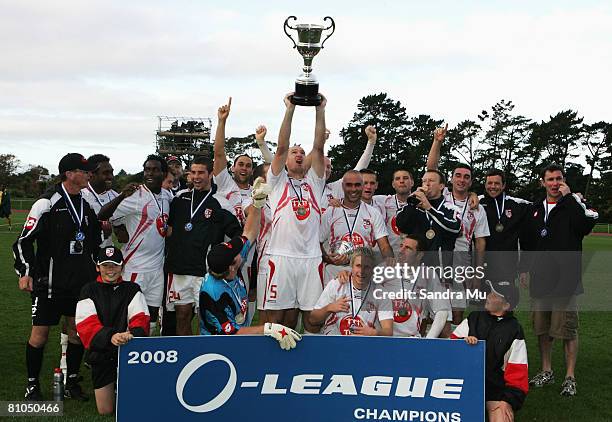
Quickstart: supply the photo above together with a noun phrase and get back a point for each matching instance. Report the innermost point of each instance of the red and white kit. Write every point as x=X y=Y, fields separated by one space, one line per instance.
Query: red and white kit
x=364 y=310
x=145 y=216
x=362 y=226
x=294 y=255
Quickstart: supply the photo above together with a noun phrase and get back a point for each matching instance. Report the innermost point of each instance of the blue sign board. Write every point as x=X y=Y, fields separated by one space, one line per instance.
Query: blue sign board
x=325 y=378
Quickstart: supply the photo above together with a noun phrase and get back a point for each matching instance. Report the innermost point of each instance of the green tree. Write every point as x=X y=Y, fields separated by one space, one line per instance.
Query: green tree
x=598 y=144
x=8 y=166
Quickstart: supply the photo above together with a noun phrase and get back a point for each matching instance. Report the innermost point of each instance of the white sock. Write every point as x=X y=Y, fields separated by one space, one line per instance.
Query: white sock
x=251 y=313
x=64 y=343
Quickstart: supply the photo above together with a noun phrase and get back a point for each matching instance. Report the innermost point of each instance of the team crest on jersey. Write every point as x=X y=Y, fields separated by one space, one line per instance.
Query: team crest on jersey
x=207 y=213
x=31 y=222
x=301 y=209
x=509 y=213
x=402 y=310
x=347 y=322
x=394 y=225
x=161 y=223
x=109 y=252
x=355 y=239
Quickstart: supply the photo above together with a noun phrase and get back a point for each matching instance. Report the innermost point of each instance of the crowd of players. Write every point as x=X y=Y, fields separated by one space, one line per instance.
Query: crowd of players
x=280 y=238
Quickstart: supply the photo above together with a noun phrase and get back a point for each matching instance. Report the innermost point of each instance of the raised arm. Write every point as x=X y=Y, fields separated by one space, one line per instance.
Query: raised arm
x=259 y=194
x=364 y=160
x=260 y=137
x=109 y=209
x=433 y=159
x=318 y=162
x=220 y=160
x=280 y=157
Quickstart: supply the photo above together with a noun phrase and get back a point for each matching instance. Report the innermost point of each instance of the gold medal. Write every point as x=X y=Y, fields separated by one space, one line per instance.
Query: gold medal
x=301 y=211
x=430 y=234
x=499 y=227
x=240 y=318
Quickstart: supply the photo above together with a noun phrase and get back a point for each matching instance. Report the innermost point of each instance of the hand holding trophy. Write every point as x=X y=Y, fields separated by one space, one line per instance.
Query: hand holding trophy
x=309 y=44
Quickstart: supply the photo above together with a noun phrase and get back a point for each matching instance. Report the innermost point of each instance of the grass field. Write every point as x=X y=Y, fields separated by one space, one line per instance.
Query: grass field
x=594 y=372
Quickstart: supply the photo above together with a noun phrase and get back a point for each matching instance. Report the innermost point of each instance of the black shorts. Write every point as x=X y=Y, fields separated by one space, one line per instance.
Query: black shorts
x=48 y=311
x=103 y=373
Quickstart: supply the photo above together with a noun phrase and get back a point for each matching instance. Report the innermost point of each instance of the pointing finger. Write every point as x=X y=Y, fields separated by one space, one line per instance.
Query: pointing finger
x=229 y=103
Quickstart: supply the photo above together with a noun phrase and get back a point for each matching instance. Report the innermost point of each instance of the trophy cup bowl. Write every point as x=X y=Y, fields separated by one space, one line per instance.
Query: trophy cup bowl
x=308 y=45
x=343 y=247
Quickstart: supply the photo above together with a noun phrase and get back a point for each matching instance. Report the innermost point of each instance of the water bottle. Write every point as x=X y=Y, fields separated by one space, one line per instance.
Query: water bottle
x=58 y=385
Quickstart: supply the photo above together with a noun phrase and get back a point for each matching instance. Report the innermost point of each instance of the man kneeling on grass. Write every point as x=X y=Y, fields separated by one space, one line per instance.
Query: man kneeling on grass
x=506 y=355
x=110 y=313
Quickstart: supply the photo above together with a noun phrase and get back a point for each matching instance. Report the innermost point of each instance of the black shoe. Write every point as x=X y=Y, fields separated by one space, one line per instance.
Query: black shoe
x=33 y=393
x=74 y=391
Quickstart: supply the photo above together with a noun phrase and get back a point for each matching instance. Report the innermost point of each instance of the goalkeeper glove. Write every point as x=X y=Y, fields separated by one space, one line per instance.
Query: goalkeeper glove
x=260 y=192
x=285 y=336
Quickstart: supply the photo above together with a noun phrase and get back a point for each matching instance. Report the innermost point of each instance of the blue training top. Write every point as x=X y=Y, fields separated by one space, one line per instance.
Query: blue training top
x=223 y=303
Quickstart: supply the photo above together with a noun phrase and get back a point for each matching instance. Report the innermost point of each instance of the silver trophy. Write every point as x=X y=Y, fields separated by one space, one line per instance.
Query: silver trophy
x=342 y=247
x=309 y=44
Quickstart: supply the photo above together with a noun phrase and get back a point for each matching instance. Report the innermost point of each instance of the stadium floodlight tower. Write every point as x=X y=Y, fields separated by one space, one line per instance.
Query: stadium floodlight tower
x=183 y=137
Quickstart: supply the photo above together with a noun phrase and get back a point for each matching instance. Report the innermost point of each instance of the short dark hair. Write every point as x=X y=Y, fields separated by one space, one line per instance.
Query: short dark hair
x=205 y=161
x=496 y=172
x=97 y=159
x=407 y=171
x=242 y=155
x=464 y=166
x=416 y=237
x=368 y=171
x=439 y=173
x=550 y=168
x=259 y=170
x=162 y=162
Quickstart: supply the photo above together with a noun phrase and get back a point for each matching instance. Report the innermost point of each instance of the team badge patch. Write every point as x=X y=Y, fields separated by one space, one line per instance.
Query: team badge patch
x=31 y=222
x=109 y=252
x=349 y=323
x=207 y=213
x=301 y=208
x=509 y=213
x=394 y=226
x=355 y=239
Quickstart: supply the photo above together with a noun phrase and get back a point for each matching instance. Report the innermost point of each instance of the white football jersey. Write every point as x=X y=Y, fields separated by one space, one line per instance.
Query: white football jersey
x=415 y=305
x=96 y=202
x=331 y=190
x=145 y=216
x=362 y=226
x=390 y=206
x=474 y=223
x=239 y=198
x=296 y=214
x=369 y=313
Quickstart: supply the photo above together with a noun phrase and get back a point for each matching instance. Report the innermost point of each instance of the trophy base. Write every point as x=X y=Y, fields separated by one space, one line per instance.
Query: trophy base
x=306 y=95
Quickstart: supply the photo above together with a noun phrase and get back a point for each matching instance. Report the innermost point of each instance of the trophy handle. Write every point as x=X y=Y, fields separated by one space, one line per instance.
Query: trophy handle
x=286 y=25
x=332 y=26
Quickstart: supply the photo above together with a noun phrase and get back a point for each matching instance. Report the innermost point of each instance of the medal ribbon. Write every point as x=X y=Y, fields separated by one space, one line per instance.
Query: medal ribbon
x=429 y=217
x=159 y=207
x=499 y=213
x=299 y=195
x=353 y=298
x=348 y=226
x=397 y=205
x=199 y=205
x=78 y=219
x=93 y=192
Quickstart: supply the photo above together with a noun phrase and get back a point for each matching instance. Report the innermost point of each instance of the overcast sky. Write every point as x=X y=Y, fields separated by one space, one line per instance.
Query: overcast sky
x=89 y=77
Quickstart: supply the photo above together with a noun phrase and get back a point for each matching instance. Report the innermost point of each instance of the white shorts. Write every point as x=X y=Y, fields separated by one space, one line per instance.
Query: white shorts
x=183 y=290
x=262 y=279
x=293 y=283
x=458 y=299
x=151 y=284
